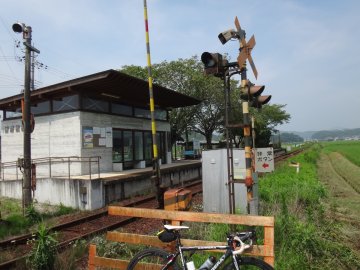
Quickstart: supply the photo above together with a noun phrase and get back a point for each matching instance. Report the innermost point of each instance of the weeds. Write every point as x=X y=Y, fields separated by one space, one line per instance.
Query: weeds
x=12 y=225
x=42 y=255
x=64 y=210
x=68 y=259
x=32 y=214
x=13 y=222
x=112 y=249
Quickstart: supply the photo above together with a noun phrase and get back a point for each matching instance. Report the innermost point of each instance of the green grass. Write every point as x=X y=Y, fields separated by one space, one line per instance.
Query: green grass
x=349 y=149
x=13 y=221
x=305 y=238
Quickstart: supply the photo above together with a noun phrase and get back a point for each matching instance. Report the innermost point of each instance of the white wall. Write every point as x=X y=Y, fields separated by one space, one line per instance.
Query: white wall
x=60 y=135
x=54 y=135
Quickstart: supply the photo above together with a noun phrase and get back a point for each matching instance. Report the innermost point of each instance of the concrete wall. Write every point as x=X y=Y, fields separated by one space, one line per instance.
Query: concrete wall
x=122 y=189
x=94 y=194
x=79 y=194
x=54 y=136
x=60 y=135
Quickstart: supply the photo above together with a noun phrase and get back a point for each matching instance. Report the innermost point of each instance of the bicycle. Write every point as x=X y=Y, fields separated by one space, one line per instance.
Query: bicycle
x=236 y=245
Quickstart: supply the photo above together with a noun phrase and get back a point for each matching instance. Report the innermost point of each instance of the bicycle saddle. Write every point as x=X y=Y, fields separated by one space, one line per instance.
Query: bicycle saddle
x=176 y=228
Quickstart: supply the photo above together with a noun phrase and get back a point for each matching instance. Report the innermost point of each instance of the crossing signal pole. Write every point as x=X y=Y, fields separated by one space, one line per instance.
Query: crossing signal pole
x=251 y=96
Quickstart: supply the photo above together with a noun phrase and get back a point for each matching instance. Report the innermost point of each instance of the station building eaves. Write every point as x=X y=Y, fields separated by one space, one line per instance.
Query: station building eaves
x=109 y=84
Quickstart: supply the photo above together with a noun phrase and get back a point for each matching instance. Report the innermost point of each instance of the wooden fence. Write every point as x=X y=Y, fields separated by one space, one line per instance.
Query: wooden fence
x=266 y=250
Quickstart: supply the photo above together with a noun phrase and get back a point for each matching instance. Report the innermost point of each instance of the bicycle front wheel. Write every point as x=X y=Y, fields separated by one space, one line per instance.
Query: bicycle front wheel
x=149 y=259
x=249 y=263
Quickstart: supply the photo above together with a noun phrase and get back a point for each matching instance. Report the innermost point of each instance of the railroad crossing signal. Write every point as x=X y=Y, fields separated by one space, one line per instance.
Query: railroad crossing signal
x=252 y=93
x=213 y=63
x=246 y=48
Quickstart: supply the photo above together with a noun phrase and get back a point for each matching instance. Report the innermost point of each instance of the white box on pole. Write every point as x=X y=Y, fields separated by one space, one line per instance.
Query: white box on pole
x=215 y=181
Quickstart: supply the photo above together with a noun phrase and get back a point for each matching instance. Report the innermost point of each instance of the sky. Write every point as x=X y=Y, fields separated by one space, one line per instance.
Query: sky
x=306 y=53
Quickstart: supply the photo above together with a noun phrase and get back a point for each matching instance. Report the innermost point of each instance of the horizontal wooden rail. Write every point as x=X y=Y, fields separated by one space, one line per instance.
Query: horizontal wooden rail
x=266 y=250
x=191 y=216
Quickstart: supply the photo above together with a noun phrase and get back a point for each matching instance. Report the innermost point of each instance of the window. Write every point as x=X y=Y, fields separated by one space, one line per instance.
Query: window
x=128 y=146
x=139 y=112
x=148 y=145
x=117 y=146
x=41 y=107
x=161 y=114
x=121 y=109
x=139 y=146
x=66 y=103
x=145 y=113
x=95 y=104
x=9 y=114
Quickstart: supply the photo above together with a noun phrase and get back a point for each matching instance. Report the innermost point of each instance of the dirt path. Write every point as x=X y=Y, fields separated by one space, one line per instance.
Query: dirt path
x=342 y=179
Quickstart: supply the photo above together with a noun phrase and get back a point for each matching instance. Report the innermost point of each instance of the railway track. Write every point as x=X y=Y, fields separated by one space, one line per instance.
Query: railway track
x=284 y=155
x=84 y=227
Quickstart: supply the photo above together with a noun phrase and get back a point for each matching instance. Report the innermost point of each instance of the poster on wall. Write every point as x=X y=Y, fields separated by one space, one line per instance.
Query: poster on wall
x=96 y=130
x=88 y=137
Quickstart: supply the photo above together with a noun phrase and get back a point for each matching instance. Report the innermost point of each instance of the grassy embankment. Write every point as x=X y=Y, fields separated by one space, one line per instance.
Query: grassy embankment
x=339 y=169
x=306 y=235
x=13 y=221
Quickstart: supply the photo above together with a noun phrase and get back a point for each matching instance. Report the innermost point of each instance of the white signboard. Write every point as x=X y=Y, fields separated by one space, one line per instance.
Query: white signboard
x=264 y=159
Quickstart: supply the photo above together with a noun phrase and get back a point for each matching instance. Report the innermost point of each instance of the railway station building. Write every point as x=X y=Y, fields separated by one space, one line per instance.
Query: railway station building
x=98 y=123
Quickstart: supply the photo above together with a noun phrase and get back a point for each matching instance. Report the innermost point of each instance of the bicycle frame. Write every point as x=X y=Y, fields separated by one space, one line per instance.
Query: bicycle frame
x=180 y=249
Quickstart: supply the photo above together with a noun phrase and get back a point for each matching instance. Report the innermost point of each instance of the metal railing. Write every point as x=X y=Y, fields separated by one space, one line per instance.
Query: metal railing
x=55 y=167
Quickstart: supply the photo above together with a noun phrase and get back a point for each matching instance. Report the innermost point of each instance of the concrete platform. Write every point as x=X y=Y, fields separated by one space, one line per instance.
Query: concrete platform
x=89 y=193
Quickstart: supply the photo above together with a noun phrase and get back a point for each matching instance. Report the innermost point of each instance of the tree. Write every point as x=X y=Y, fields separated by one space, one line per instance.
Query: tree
x=187 y=77
x=266 y=121
x=290 y=137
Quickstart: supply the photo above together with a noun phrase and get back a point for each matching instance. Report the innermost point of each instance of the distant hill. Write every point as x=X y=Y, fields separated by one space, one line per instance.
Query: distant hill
x=305 y=134
x=340 y=134
x=337 y=134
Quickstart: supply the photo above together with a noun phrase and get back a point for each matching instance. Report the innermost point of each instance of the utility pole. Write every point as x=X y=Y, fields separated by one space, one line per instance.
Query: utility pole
x=26 y=111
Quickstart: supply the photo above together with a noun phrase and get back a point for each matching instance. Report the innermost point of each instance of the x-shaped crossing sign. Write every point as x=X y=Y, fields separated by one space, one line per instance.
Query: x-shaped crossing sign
x=246 y=48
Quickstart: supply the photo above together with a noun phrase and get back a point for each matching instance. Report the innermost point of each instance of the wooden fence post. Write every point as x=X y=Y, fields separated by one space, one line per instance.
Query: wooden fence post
x=269 y=244
x=92 y=254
